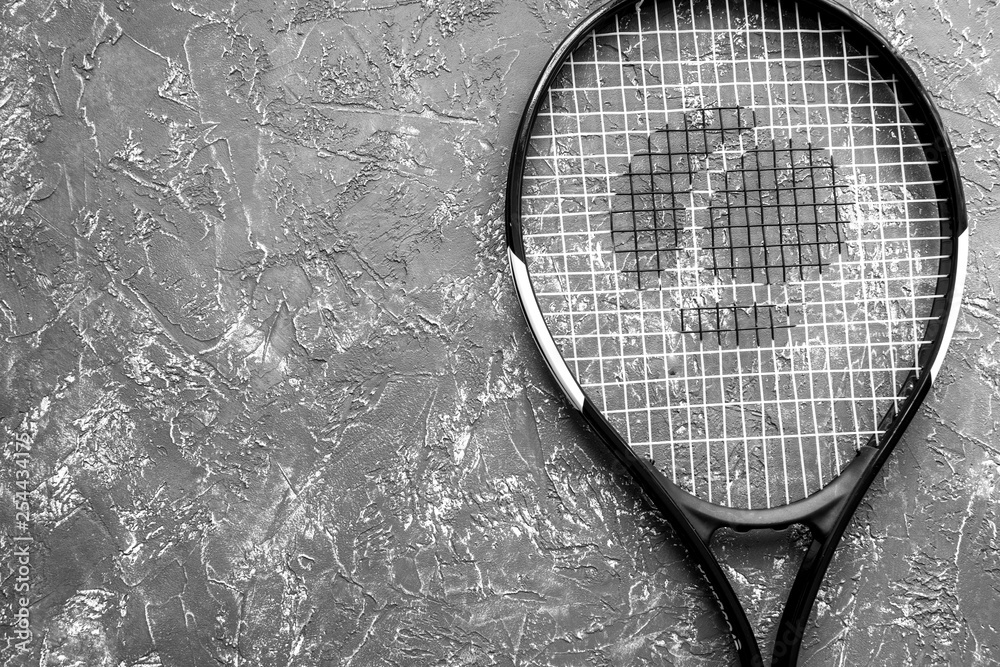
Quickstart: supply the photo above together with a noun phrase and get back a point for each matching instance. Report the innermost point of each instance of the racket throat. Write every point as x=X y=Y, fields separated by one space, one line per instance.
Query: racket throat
x=823 y=513
x=826 y=514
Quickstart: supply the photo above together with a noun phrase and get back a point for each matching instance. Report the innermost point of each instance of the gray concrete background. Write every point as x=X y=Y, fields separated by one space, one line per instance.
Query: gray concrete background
x=256 y=323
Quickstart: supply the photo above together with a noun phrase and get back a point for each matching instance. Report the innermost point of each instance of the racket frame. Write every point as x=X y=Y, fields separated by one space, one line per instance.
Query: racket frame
x=828 y=512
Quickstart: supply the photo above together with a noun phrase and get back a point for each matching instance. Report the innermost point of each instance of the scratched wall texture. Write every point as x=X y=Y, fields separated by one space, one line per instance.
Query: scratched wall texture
x=256 y=322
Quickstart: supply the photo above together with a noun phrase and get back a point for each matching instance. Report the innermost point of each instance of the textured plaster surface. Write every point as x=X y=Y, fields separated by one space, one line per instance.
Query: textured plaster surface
x=283 y=409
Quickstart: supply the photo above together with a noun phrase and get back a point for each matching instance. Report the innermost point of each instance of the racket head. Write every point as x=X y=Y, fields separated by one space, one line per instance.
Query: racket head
x=738 y=234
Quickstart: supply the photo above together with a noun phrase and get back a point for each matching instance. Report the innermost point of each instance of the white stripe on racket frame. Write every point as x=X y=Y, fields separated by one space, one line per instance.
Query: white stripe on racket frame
x=553 y=358
x=962 y=257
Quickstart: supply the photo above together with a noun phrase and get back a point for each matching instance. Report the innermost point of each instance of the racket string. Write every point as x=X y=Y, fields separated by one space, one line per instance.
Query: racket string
x=735 y=238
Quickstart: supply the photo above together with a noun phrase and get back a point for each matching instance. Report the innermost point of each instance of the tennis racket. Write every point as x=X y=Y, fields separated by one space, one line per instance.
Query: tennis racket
x=737 y=232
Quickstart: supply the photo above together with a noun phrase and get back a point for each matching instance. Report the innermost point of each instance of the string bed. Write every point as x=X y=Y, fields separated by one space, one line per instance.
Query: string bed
x=735 y=239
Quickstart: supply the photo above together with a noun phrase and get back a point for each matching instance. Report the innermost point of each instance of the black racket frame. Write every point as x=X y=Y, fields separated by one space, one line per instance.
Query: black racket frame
x=828 y=512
